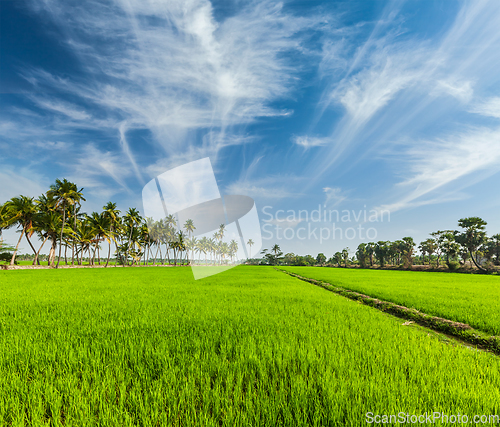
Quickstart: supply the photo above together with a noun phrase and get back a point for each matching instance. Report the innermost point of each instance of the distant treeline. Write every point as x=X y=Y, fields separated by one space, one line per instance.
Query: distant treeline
x=468 y=247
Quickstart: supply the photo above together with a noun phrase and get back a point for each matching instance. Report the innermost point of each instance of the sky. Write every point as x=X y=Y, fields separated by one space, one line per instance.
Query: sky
x=386 y=110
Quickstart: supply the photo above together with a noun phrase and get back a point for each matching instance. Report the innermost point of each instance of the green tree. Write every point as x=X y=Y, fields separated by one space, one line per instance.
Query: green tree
x=189 y=227
x=428 y=246
x=345 y=256
x=321 y=259
x=20 y=212
x=362 y=255
x=473 y=236
x=450 y=247
x=381 y=251
x=132 y=219
x=65 y=194
x=250 y=243
x=407 y=246
x=112 y=214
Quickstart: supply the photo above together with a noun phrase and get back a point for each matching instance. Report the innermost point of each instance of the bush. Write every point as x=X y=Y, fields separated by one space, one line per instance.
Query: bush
x=5 y=256
x=453 y=265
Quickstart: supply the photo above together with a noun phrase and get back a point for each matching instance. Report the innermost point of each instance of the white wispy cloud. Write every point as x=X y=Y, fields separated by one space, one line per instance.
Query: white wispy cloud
x=457 y=161
x=333 y=196
x=310 y=141
x=171 y=67
x=267 y=188
x=489 y=107
x=395 y=88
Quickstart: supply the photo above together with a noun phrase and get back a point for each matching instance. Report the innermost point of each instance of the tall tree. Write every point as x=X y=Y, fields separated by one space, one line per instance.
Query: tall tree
x=473 y=236
x=113 y=215
x=132 y=218
x=361 y=254
x=189 y=227
x=321 y=259
x=494 y=246
x=345 y=256
x=65 y=194
x=407 y=247
x=20 y=211
x=250 y=243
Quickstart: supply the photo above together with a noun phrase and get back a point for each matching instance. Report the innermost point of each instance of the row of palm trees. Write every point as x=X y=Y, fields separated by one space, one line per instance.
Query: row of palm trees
x=55 y=218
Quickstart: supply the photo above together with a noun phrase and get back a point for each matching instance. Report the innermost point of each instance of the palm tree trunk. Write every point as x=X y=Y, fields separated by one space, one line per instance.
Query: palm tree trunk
x=17 y=247
x=94 y=252
x=52 y=252
x=155 y=255
x=29 y=241
x=109 y=254
x=73 y=239
x=128 y=243
x=35 y=261
x=475 y=262
x=62 y=231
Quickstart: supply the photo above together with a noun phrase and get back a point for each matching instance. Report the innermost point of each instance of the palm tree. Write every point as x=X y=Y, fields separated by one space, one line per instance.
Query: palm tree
x=20 y=211
x=113 y=216
x=85 y=236
x=233 y=248
x=3 y=218
x=202 y=246
x=51 y=223
x=100 y=222
x=145 y=239
x=66 y=194
x=189 y=227
x=170 y=234
x=250 y=243
x=191 y=245
x=132 y=218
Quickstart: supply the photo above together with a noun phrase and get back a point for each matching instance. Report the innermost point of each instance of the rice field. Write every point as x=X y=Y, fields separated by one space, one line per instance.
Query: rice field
x=248 y=347
x=468 y=298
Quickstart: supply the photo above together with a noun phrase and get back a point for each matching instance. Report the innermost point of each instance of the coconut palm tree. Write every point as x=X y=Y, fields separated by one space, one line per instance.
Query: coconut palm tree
x=101 y=224
x=250 y=243
x=189 y=227
x=20 y=212
x=131 y=219
x=201 y=246
x=85 y=236
x=3 y=218
x=145 y=241
x=113 y=216
x=66 y=194
x=190 y=245
x=233 y=249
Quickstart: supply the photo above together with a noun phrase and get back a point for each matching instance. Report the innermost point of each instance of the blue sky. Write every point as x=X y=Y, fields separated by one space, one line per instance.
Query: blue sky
x=376 y=105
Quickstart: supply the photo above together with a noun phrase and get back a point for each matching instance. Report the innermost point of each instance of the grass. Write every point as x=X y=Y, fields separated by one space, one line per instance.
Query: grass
x=467 y=298
x=251 y=346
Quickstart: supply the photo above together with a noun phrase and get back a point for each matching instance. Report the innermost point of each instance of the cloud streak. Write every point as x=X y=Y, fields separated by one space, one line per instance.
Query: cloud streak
x=171 y=68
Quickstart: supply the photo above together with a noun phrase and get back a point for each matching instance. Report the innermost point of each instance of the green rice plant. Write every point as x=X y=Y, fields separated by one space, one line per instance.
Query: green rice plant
x=250 y=346
x=467 y=298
